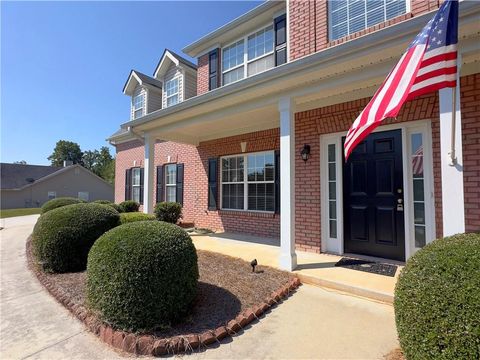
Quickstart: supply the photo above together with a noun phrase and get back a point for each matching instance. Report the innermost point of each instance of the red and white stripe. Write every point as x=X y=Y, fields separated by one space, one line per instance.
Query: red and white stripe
x=417 y=162
x=418 y=72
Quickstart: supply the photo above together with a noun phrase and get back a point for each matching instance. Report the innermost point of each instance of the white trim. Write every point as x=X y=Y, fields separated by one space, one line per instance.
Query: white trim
x=407 y=129
x=171 y=57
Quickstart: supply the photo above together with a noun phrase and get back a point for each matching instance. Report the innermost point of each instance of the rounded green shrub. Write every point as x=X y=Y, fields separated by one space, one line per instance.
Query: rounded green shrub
x=62 y=237
x=169 y=212
x=59 y=202
x=129 y=206
x=104 y=202
x=437 y=300
x=142 y=275
x=135 y=216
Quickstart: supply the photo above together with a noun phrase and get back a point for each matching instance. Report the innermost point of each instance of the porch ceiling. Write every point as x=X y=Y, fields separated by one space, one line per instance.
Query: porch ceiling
x=341 y=73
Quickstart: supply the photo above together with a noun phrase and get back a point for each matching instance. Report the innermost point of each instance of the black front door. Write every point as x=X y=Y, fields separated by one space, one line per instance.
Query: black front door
x=373 y=197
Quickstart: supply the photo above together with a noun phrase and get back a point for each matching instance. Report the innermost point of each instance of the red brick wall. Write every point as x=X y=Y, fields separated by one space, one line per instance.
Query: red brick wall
x=202 y=74
x=261 y=224
x=308 y=21
x=336 y=118
x=132 y=151
x=470 y=95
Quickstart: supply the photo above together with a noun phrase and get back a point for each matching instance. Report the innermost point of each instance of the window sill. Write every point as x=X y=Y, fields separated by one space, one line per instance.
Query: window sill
x=247 y=213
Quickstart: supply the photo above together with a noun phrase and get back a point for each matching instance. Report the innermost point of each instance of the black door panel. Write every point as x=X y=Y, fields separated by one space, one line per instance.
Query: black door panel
x=373 y=197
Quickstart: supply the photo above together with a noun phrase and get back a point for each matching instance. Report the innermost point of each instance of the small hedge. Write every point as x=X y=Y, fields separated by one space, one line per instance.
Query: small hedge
x=135 y=216
x=59 y=202
x=437 y=300
x=109 y=203
x=62 y=237
x=169 y=212
x=142 y=275
x=129 y=206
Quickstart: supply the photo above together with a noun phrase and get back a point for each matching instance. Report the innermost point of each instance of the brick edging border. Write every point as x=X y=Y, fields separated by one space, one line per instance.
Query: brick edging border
x=149 y=344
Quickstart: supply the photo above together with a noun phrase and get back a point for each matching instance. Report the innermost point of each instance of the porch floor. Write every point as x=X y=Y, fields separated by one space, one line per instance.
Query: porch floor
x=315 y=269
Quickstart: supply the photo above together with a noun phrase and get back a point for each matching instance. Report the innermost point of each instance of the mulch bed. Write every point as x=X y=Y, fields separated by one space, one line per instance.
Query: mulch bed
x=229 y=297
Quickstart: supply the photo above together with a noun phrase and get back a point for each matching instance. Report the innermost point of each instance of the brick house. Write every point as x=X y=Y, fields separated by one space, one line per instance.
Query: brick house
x=250 y=139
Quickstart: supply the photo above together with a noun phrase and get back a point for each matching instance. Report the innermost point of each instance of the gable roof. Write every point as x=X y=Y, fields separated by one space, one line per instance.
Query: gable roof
x=136 y=77
x=14 y=176
x=169 y=56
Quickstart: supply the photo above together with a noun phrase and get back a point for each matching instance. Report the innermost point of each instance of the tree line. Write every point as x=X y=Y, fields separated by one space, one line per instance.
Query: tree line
x=100 y=162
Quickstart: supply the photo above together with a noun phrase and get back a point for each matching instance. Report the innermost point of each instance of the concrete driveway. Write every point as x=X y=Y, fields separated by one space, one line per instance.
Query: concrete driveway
x=312 y=324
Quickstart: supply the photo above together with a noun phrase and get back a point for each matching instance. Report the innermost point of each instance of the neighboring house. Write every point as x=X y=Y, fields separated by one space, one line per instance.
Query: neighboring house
x=259 y=150
x=24 y=186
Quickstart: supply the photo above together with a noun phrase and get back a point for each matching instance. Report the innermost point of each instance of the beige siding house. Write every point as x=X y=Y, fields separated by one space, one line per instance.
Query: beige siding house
x=32 y=185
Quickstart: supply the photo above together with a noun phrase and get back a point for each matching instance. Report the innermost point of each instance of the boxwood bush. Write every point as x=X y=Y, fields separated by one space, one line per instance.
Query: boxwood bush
x=59 y=202
x=169 y=212
x=129 y=206
x=135 y=216
x=437 y=300
x=142 y=275
x=62 y=237
x=109 y=203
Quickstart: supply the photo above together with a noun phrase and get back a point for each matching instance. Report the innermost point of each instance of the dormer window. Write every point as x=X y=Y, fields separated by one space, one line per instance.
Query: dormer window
x=138 y=105
x=171 y=88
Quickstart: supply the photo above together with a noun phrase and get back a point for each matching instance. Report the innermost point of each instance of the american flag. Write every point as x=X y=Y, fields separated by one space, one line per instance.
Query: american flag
x=429 y=64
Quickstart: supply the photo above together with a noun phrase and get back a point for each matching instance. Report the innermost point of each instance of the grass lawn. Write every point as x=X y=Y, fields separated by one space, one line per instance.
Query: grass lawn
x=19 y=212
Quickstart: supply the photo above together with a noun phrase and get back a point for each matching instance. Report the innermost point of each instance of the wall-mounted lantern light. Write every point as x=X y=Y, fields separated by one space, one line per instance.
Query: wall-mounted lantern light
x=305 y=152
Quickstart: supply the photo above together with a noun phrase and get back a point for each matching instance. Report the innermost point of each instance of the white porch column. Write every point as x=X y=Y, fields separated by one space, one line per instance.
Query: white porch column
x=453 y=205
x=149 y=167
x=288 y=257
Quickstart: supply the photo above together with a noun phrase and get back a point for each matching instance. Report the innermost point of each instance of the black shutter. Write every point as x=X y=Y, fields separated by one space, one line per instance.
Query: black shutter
x=212 y=183
x=280 y=40
x=128 y=184
x=277 y=182
x=213 y=79
x=180 y=184
x=159 y=183
x=141 y=186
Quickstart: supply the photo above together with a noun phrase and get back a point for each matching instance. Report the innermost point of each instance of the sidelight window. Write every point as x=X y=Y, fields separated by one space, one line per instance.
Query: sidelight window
x=417 y=164
x=332 y=192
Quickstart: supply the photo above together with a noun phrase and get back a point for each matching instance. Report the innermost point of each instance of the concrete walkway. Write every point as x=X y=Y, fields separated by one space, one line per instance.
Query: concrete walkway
x=312 y=324
x=316 y=269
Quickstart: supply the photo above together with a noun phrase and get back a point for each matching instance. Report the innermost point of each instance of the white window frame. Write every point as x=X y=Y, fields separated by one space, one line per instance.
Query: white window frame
x=139 y=185
x=141 y=108
x=51 y=195
x=85 y=198
x=167 y=185
x=246 y=61
x=177 y=94
x=330 y=22
x=336 y=245
x=245 y=181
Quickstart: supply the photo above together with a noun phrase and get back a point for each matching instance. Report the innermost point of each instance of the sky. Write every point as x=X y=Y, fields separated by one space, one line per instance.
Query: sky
x=64 y=65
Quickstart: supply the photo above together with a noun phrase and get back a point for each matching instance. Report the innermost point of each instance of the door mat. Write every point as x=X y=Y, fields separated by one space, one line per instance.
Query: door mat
x=368 y=266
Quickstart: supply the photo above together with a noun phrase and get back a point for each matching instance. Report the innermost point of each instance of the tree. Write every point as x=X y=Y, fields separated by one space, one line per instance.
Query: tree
x=100 y=163
x=21 y=162
x=66 y=150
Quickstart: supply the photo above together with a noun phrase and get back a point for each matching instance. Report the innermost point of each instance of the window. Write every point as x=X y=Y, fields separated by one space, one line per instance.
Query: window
x=332 y=192
x=248 y=182
x=418 y=190
x=136 y=184
x=260 y=51
x=171 y=182
x=83 y=195
x=232 y=62
x=349 y=16
x=171 y=88
x=258 y=56
x=138 y=102
x=52 y=195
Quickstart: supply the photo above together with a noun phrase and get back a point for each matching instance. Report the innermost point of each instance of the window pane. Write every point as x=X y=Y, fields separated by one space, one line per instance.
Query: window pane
x=136 y=193
x=332 y=190
x=331 y=171
x=136 y=176
x=260 y=43
x=171 y=174
x=171 y=193
x=332 y=209
x=331 y=153
x=420 y=238
x=172 y=100
x=138 y=113
x=333 y=229
x=232 y=55
x=261 y=65
x=233 y=75
x=418 y=190
x=419 y=213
